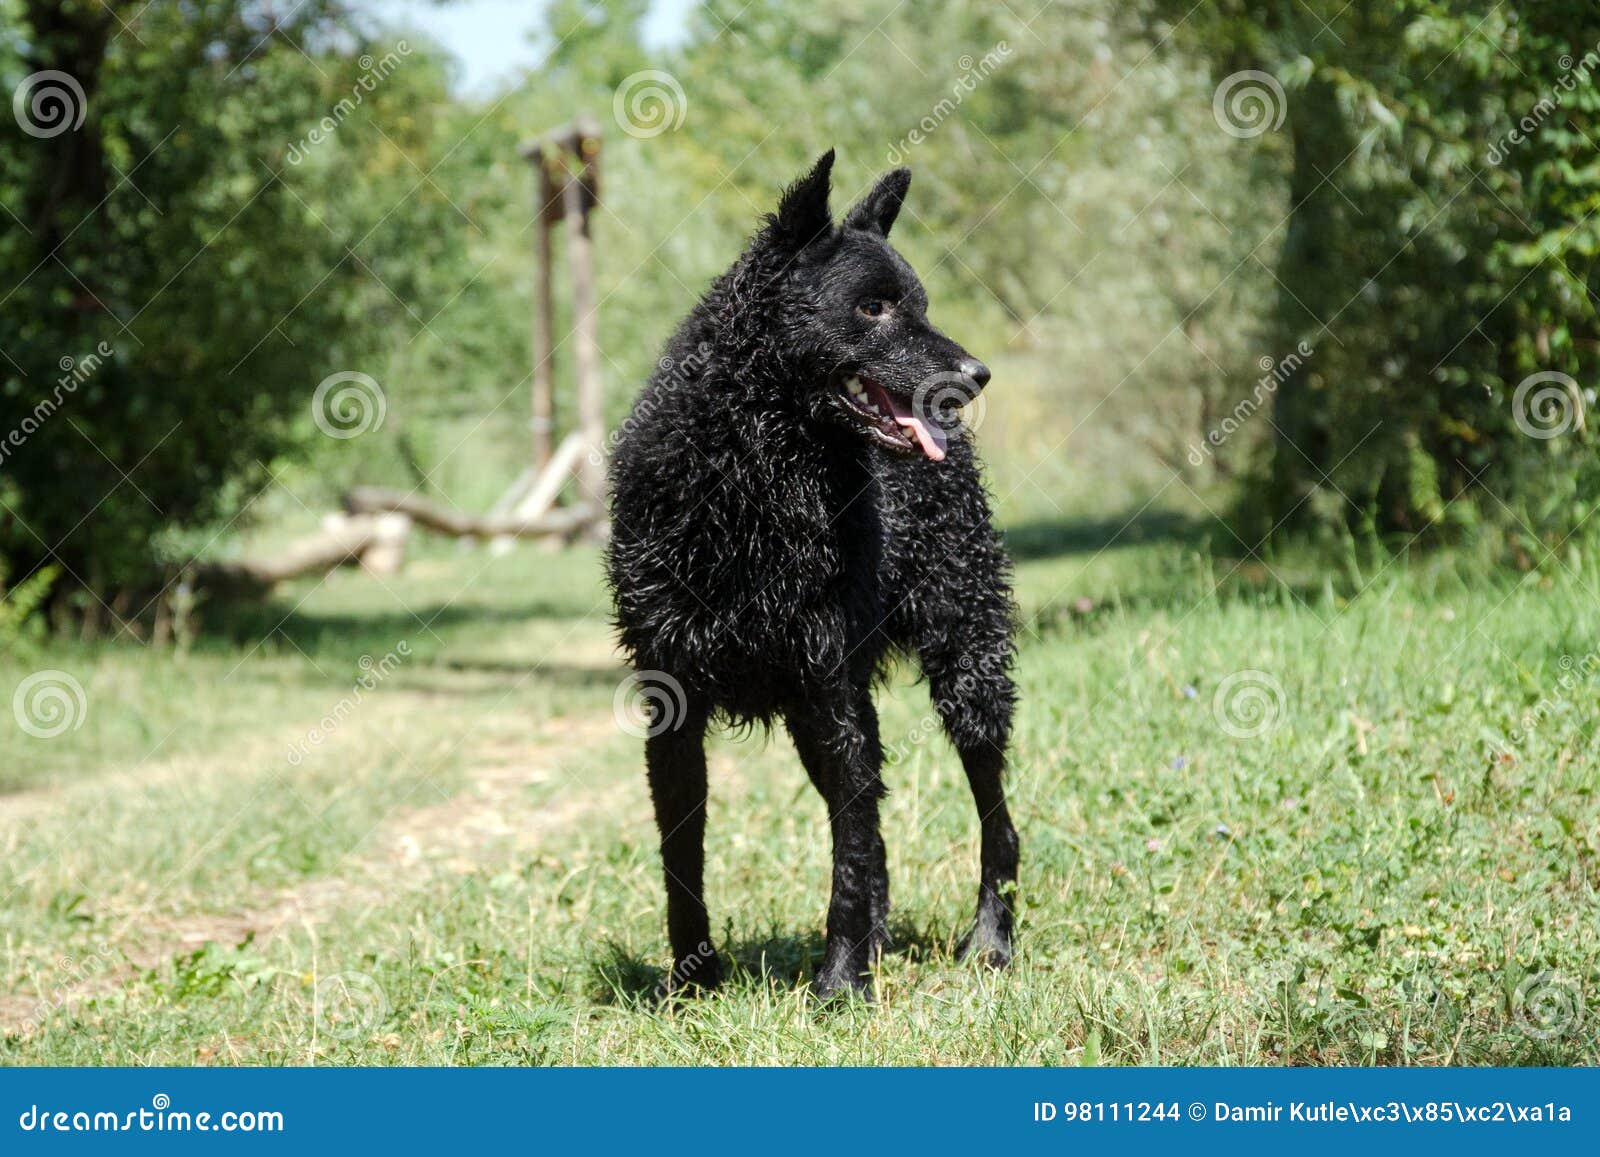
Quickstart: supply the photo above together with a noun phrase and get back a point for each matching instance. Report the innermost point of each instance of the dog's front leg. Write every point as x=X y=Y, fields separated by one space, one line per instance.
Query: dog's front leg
x=853 y=786
x=676 y=762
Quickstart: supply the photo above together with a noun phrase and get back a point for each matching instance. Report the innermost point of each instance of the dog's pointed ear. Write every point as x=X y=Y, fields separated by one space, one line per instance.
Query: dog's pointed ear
x=878 y=209
x=803 y=214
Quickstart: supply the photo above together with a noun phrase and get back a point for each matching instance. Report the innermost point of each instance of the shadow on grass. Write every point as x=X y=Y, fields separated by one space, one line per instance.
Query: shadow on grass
x=1055 y=538
x=1208 y=561
x=571 y=672
x=312 y=631
x=777 y=961
x=1246 y=583
x=507 y=676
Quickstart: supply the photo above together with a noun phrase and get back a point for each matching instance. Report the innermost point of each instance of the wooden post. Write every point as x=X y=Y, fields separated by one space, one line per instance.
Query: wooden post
x=543 y=421
x=568 y=161
x=579 y=195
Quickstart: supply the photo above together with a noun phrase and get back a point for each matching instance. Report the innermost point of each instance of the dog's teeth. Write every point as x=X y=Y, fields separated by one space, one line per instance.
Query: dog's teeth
x=854 y=386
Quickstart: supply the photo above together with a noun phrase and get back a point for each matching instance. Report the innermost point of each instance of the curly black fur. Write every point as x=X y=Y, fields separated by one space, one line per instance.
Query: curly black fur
x=773 y=543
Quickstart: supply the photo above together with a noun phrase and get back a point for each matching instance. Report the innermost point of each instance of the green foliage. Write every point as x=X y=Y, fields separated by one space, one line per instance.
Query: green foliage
x=1107 y=244
x=177 y=284
x=231 y=266
x=242 y=215
x=19 y=606
x=1441 y=249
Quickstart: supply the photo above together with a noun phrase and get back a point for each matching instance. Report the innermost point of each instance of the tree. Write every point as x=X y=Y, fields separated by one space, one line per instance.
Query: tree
x=1440 y=256
x=179 y=275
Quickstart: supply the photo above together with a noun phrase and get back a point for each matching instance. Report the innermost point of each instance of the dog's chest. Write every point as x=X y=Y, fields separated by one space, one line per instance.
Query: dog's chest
x=806 y=562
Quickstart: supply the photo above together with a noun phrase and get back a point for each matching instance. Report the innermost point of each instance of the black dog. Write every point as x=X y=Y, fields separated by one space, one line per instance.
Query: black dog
x=793 y=497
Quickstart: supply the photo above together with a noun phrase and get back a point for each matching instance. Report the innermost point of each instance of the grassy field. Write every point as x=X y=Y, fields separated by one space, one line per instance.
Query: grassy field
x=1273 y=812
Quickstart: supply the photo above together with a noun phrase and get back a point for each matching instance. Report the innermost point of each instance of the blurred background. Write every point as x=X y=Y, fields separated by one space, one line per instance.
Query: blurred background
x=1292 y=313
x=1140 y=210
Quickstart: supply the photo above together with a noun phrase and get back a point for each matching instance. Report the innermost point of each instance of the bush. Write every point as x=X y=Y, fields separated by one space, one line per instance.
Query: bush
x=187 y=270
x=1440 y=258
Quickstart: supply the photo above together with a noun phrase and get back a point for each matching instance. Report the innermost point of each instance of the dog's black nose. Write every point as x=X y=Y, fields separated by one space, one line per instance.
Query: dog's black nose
x=976 y=370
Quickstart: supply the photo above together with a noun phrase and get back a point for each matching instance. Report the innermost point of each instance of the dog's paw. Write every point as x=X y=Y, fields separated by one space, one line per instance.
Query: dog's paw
x=986 y=945
x=693 y=975
x=843 y=977
x=848 y=985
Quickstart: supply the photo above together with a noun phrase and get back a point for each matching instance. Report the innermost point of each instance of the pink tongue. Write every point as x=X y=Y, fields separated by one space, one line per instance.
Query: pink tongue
x=930 y=437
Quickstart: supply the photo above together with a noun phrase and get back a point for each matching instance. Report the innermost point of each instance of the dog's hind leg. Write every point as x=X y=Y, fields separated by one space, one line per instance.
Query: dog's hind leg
x=975 y=697
x=841 y=750
x=815 y=758
x=675 y=759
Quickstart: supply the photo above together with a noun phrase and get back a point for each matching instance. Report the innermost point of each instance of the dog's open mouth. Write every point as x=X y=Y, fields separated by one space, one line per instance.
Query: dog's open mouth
x=891 y=420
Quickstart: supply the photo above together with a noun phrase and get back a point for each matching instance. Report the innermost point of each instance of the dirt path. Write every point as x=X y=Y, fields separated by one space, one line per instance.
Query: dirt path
x=494 y=816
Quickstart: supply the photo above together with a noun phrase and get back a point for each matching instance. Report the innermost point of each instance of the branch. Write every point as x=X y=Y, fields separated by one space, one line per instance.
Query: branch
x=446 y=520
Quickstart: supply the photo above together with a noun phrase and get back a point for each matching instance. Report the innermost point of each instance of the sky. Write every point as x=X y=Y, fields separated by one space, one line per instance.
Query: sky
x=491 y=37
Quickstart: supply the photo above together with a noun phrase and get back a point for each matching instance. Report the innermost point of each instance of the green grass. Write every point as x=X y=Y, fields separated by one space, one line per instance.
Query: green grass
x=465 y=871
x=1395 y=862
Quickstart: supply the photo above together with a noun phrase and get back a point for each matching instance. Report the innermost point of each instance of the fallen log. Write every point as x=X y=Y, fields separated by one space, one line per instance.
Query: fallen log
x=367 y=500
x=376 y=541
x=372 y=533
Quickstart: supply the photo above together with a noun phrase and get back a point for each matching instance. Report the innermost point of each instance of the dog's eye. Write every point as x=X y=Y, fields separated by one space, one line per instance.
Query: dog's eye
x=873 y=307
